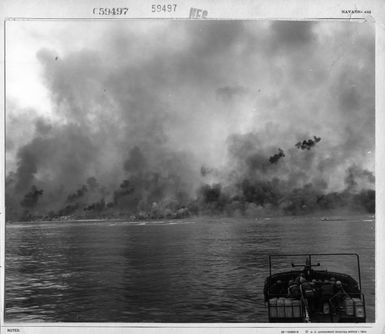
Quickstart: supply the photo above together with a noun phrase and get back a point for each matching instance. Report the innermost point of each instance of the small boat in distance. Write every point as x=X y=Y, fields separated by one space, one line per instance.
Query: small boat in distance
x=306 y=294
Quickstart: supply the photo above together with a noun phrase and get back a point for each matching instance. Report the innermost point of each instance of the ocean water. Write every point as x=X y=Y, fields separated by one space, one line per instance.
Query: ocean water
x=197 y=270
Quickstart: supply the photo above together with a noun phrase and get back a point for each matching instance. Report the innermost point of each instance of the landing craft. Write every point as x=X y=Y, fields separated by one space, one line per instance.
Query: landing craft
x=321 y=295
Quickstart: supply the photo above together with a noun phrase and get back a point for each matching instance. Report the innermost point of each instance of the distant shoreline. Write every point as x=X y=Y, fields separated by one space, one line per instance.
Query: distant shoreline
x=321 y=218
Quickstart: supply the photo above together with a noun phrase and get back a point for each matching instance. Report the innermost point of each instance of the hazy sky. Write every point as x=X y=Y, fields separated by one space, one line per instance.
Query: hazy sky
x=81 y=95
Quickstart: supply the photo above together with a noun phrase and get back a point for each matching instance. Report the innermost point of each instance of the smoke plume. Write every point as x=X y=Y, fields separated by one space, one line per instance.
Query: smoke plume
x=173 y=118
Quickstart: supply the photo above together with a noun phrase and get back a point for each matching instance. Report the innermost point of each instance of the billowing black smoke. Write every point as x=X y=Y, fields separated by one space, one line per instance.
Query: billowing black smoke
x=357 y=178
x=30 y=199
x=78 y=194
x=250 y=189
x=274 y=158
x=204 y=122
x=307 y=144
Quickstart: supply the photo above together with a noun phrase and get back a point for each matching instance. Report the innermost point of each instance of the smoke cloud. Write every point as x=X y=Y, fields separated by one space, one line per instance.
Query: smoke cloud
x=174 y=118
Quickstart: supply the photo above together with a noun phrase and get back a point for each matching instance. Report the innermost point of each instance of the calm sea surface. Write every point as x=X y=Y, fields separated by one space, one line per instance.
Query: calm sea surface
x=193 y=270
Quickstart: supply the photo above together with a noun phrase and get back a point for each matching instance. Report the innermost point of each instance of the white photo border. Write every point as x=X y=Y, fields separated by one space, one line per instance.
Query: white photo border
x=216 y=10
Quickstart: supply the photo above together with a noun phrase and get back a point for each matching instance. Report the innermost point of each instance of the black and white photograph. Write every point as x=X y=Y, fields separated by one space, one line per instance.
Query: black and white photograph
x=189 y=171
